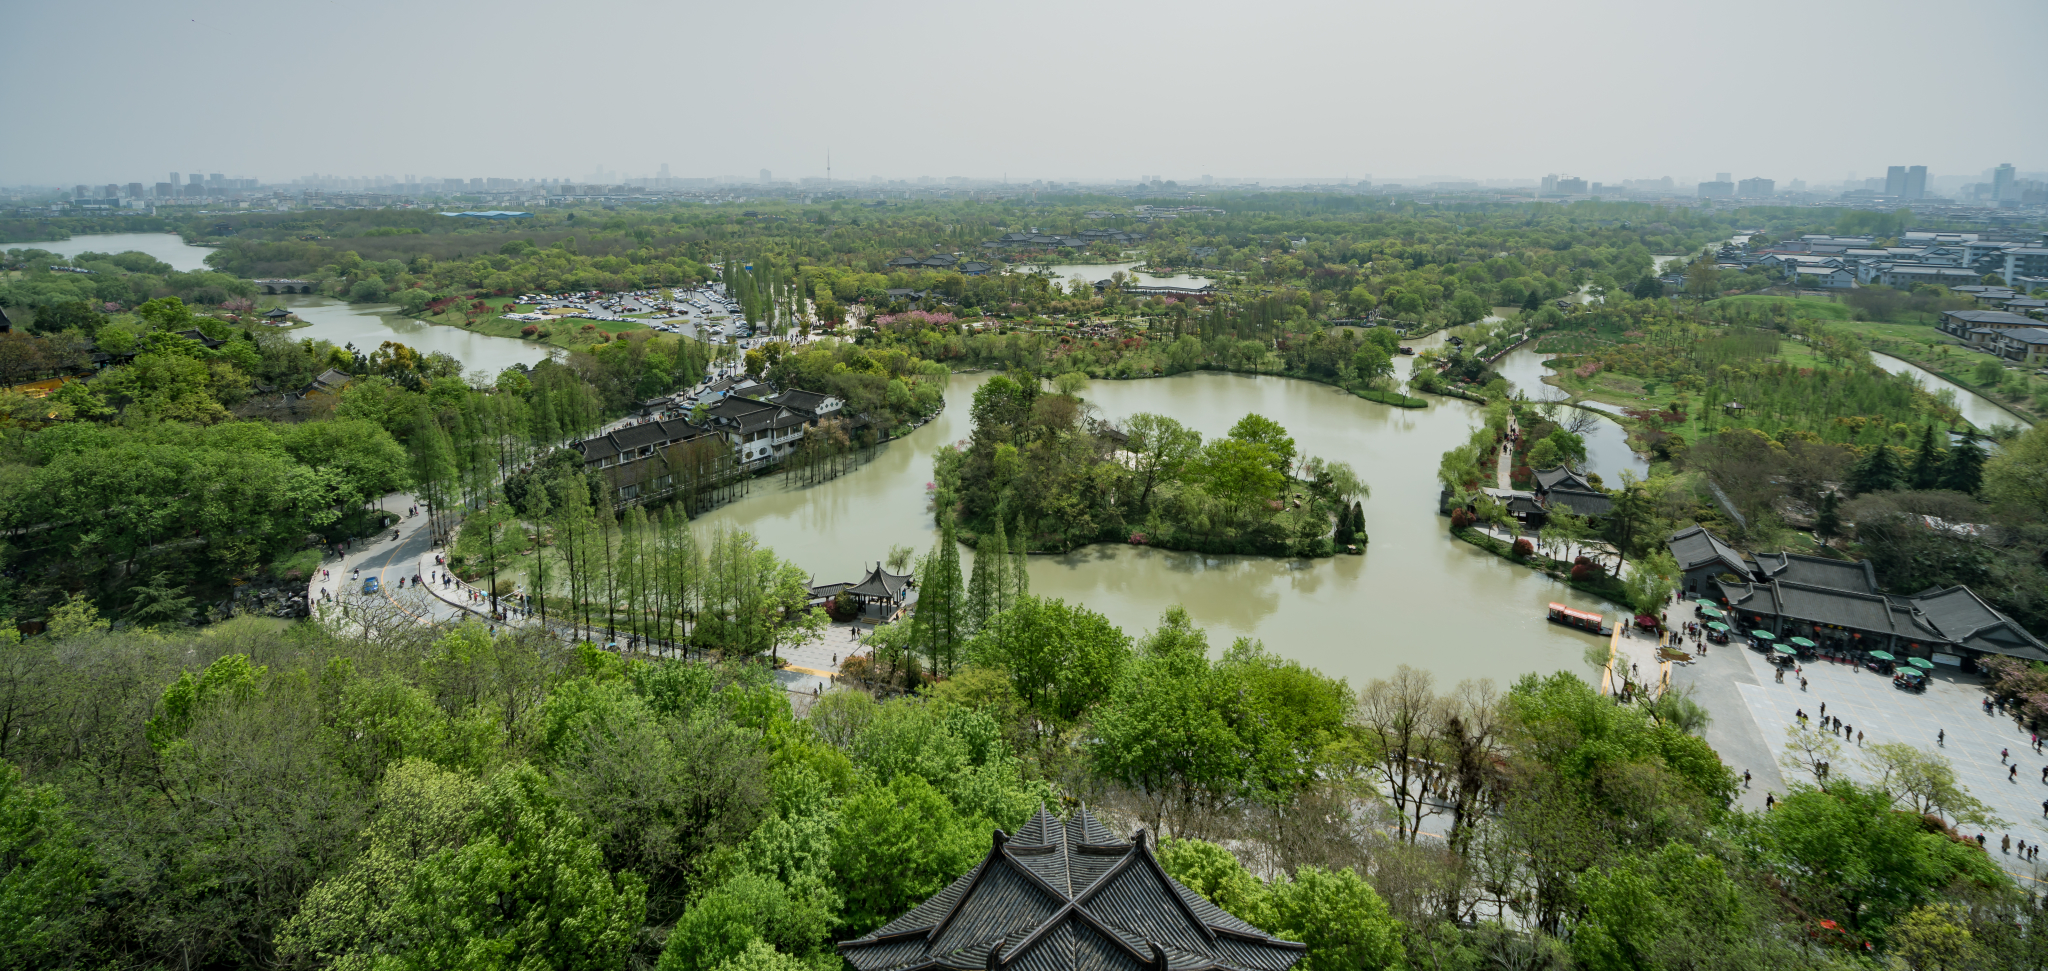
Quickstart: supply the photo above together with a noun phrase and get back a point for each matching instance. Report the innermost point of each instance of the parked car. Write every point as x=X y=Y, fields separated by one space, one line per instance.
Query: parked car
x=370 y=585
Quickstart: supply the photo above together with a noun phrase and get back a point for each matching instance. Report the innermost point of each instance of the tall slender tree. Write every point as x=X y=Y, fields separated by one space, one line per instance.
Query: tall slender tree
x=936 y=627
x=988 y=590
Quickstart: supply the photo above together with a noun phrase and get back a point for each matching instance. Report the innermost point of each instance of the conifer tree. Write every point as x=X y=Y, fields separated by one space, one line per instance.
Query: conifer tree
x=1964 y=469
x=1877 y=471
x=1020 y=574
x=988 y=590
x=1927 y=462
x=935 y=629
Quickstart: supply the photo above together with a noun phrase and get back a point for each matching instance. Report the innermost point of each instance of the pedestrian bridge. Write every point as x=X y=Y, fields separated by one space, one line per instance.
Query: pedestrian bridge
x=285 y=286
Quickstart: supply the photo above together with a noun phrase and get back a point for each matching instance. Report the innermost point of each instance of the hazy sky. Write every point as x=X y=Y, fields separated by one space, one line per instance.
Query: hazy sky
x=124 y=91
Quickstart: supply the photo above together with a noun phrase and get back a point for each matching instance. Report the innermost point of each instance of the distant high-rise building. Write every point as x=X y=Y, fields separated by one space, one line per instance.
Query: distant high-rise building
x=174 y=179
x=1754 y=188
x=1717 y=189
x=164 y=190
x=2002 y=183
x=80 y=192
x=1895 y=180
x=216 y=178
x=134 y=190
x=767 y=176
x=193 y=178
x=112 y=191
x=1571 y=185
x=664 y=170
x=1916 y=183
x=1549 y=185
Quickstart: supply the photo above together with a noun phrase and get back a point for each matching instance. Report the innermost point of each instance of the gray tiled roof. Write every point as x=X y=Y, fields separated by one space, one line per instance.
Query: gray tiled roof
x=1694 y=547
x=1581 y=502
x=1551 y=478
x=632 y=439
x=1821 y=591
x=1061 y=896
x=1818 y=571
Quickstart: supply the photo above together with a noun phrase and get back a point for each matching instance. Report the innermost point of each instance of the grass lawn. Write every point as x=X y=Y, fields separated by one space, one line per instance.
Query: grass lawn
x=567 y=332
x=1819 y=308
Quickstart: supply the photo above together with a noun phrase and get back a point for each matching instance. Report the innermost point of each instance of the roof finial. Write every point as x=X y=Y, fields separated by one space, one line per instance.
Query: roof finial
x=1001 y=839
x=1138 y=836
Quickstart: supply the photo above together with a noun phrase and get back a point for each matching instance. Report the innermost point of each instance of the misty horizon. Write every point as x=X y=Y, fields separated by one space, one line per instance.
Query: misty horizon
x=1495 y=94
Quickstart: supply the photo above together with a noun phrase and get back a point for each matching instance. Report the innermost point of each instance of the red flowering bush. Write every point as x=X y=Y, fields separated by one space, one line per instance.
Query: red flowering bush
x=528 y=331
x=1461 y=518
x=1583 y=571
x=1524 y=549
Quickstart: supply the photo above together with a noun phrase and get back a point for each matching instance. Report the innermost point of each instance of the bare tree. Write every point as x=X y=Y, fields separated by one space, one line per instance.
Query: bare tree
x=1401 y=721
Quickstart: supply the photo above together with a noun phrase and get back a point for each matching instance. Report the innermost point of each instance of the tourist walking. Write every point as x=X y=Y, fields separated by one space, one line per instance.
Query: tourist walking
x=1941 y=737
x=1745 y=776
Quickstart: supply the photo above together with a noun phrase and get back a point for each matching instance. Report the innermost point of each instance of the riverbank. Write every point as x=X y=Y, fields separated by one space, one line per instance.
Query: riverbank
x=1947 y=370
x=1607 y=587
x=1393 y=398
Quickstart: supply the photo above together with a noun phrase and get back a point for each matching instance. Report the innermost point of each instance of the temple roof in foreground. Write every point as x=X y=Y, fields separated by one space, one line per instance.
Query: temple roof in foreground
x=1063 y=896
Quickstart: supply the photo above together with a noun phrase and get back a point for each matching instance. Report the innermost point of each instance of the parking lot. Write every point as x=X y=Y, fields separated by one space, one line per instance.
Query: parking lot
x=704 y=313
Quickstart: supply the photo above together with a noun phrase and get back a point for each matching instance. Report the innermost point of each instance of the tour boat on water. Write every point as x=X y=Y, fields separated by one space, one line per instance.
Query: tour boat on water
x=1590 y=623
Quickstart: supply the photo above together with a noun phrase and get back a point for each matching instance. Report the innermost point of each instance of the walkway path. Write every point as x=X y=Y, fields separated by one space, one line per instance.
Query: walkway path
x=412 y=553
x=388 y=560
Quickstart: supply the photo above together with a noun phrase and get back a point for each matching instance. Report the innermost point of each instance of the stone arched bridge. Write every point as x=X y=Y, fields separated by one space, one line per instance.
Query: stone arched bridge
x=285 y=286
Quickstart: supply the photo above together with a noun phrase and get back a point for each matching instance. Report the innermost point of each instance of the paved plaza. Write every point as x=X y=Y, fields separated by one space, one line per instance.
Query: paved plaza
x=1866 y=702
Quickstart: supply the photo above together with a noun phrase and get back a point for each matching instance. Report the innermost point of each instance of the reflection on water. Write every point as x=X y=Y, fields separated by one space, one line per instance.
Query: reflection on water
x=168 y=247
x=1976 y=410
x=1416 y=597
x=369 y=325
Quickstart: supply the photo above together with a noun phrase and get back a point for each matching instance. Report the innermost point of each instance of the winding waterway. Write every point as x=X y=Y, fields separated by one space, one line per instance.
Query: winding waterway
x=1975 y=409
x=1607 y=449
x=1416 y=597
x=368 y=325
x=168 y=247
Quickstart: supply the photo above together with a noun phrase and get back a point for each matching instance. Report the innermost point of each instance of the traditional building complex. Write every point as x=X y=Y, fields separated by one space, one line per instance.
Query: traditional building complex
x=1838 y=605
x=743 y=431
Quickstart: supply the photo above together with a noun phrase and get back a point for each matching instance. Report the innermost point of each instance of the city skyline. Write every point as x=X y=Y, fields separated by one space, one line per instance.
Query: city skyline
x=1068 y=92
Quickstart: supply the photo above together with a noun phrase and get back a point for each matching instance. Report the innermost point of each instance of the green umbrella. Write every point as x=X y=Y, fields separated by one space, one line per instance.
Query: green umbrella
x=1711 y=611
x=1782 y=649
x=1802 y=642
x=1921 y=663
x=1883 y=655
x=1766 y=635
x=1716 y=625
x=1704 y=602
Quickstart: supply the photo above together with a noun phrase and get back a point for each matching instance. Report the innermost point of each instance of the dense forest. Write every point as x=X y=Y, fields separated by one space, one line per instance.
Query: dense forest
x=249 y=796
x=155 y=484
